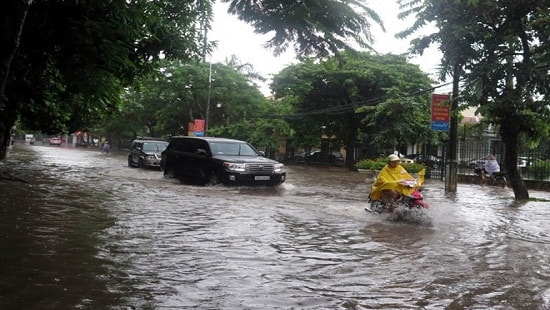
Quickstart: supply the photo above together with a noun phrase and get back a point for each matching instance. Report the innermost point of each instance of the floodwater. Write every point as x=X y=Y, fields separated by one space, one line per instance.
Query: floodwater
x=88 y=232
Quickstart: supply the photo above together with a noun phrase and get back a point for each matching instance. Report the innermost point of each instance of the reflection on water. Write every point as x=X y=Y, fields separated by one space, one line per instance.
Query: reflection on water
x=88 y=232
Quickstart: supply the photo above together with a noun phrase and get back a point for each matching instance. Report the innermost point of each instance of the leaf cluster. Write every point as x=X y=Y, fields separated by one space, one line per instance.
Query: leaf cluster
x=320 y=27
x=501 y=48
x=357 y=94
x=163 y=103
x=379 y=163
x=76 y=57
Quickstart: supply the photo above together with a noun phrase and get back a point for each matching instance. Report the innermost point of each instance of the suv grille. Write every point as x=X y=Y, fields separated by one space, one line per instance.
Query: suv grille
x=260 y=167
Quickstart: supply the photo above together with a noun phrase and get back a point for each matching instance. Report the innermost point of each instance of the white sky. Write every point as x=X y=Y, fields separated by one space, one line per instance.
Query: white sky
x=237 y=38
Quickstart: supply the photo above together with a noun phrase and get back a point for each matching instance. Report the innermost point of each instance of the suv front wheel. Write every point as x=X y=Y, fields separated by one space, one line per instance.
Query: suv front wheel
x=210 y=178
x=130 y=164
x=169 y=172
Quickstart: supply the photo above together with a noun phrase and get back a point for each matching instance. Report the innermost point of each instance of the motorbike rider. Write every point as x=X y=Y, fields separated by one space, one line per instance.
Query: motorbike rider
x=390 y=185
x=491 y=166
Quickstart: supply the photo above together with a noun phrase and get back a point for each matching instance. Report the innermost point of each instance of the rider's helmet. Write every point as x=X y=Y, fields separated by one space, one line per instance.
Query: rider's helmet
x=393 y=157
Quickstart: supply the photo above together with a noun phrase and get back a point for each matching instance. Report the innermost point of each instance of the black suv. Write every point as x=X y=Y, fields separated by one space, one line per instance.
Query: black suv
x=209 y=160
x=146 y=153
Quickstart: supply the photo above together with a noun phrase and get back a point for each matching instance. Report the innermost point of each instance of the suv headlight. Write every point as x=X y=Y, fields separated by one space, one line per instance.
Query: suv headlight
x=235 y=167
x=278 y=168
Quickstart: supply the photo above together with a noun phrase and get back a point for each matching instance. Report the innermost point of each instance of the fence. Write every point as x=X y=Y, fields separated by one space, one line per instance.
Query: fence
x=532 y=164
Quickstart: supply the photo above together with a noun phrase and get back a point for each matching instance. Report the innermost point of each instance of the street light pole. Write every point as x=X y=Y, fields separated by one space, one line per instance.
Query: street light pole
x=207 y=120
x=451 y=177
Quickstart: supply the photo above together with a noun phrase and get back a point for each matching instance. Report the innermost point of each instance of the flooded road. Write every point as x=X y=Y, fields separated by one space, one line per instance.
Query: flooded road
x=88 y=232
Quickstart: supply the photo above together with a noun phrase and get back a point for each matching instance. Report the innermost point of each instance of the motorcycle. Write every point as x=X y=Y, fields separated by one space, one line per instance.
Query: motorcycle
x=408 y=208
x=496 y=178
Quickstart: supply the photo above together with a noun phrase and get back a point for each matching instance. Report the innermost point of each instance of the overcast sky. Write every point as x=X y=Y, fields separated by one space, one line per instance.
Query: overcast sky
x=237 y=38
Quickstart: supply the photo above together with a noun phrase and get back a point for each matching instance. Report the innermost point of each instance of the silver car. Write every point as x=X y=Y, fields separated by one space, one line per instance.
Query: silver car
x=146 y=153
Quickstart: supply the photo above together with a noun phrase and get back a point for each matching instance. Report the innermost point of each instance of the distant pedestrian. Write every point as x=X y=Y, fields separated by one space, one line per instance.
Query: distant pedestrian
x=106 y=147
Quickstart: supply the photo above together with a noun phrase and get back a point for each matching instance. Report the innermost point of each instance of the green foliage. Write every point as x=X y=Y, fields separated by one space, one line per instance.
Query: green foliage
x=379 y=163
x=162 y=104
x=321 y=27
x=354 y=96
x=372 y=164
x=413 y=167
x=76 y=57
x=499 y=50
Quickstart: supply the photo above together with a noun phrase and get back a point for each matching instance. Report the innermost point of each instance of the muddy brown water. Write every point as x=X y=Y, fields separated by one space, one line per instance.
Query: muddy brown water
x=88 y=232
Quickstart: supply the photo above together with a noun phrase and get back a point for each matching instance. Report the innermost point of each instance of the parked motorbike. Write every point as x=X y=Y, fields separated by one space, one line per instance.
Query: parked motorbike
x=408 y=208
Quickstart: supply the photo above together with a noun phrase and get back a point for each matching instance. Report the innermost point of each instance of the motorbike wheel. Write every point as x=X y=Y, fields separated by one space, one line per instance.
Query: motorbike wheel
x=502 y=182
x=375 y=207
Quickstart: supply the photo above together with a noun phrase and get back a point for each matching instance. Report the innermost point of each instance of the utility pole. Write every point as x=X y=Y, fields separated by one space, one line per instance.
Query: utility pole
x=451 y=171
x=207 y=120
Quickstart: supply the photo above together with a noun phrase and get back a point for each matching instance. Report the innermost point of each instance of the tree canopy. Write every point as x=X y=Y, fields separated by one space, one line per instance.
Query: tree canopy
x=501 y=50
x=315 y=27
x=73 y=58
x=66 y=63
x=163 y=103
x=357 y=97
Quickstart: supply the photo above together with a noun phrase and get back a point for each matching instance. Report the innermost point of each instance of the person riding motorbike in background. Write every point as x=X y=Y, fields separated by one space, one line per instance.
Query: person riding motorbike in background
x=490 y=167
x=393 y=181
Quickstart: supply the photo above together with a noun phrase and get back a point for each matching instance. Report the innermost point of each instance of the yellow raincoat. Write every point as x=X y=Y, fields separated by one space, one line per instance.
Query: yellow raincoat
x=390 y=178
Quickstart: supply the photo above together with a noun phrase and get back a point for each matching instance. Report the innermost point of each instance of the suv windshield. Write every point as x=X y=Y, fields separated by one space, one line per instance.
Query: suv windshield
x=154 y=147
x=235 y=149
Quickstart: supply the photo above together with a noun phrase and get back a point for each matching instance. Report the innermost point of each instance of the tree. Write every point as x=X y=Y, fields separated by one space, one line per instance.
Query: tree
x=501 y=51
x=162 y=104
x=316 y=27
x=66 y=63
x=75 y=57
x=246 y=68
x=357 y=92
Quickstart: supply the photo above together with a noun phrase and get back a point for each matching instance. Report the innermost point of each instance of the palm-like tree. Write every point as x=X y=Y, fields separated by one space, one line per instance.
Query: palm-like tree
x=320 y=27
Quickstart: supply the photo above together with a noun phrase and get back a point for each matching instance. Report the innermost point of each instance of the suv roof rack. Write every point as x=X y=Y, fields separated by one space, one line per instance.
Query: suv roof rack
x=149 y=138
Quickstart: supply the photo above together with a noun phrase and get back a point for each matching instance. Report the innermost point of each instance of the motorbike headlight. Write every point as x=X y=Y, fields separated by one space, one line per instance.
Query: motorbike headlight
x=235 y=167
x=278 y=168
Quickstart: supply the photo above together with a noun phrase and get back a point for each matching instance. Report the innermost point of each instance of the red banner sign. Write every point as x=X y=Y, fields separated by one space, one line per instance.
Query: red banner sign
x=199 y=127
x=441 y=112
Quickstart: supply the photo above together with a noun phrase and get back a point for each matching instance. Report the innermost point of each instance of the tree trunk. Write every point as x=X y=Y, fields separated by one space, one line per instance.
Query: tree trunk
x=350 y=145
x=12 y=19
x=510 y=135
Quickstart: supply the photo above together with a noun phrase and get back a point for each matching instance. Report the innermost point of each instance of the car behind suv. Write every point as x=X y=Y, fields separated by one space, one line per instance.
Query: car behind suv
x=318 y=157
x=146 y=153
x=55 y=141
x=209 y=160
x=429 y=161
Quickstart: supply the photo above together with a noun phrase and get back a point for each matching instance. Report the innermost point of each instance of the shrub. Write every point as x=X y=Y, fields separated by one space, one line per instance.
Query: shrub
x=371 y=164
x=379 y=163
x=413 y=167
